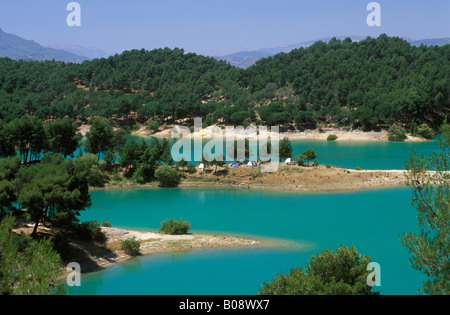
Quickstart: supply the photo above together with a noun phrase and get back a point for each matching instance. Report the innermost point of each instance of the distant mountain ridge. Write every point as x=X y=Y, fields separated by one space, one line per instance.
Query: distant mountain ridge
x=89 y=52
x=246 y=59
x=17 y=48
x=431 y=42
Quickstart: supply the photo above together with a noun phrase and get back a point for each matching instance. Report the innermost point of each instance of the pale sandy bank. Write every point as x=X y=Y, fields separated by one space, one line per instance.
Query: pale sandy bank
x=155 y=242
x=343 y=135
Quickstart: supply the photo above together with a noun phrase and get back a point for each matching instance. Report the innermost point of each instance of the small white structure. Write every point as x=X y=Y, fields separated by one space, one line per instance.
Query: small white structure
x=250 y=164
x=290 y=162
x=201 y=166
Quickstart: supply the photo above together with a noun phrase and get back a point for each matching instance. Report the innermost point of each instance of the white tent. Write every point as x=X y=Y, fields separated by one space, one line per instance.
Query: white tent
x=249 y=164
x=288 y=161
x=201 y=167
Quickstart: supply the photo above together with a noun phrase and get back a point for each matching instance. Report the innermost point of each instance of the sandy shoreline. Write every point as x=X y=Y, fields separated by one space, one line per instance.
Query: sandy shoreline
x=343 y=135
x=93 y=256
x=96 y=258
x=156 y=243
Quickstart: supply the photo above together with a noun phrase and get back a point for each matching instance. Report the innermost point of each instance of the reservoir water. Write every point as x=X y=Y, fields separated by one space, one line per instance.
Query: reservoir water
x=367 y=155
x=308 y=223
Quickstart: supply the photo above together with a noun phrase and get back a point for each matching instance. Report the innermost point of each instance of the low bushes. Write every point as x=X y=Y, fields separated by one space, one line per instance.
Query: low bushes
x=332 y=138
x=90 y=232
x=192 y=169
x=175 y=227
x=397 y=133
x=131 y=247
x=63 y=219
x=307 y=156
x=106 y=224
x=425 y=131
x=167 y=176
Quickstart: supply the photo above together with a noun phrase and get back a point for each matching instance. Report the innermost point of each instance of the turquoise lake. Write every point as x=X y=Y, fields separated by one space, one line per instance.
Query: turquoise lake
x=370 y=156
x=372 y=221
x=367 y=155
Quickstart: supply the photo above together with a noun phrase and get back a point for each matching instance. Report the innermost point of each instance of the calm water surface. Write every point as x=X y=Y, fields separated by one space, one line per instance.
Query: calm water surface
x=372 y=221
x=367 y=155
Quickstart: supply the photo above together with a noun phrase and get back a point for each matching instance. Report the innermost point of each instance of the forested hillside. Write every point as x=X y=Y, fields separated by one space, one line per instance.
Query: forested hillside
x=368 y=85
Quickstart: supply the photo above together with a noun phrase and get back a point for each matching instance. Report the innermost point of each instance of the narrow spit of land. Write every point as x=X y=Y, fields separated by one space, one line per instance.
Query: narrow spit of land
x=93 y=256
x=301 y=179
x=156 y=243
x=286 y=178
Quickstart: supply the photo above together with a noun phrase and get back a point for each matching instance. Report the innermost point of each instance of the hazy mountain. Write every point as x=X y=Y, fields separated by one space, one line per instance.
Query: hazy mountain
x=89 y=52
x=17 y=48
x=246 y=59
x=431 y=42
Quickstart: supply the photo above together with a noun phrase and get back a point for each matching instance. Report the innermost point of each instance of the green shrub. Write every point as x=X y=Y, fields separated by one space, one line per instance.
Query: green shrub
x=413 y=128
x=329 y=273
x=396 y=133
x=328 y=166
x=175 y=227
x=390 y=121
x=332 y=138
x=106 y=224
x=425 y=131
x=90 y=232
x=320 y=127
x=191 y=168
x=27 y=266
x=167 y=176
x=308 y=155
x=181 y=164
x=63 y=219
x=61 y=245
x=358 y=168
x=143 y=174
x=131 y=247
x=115 y=175
x=153 y=124
x=299 y=160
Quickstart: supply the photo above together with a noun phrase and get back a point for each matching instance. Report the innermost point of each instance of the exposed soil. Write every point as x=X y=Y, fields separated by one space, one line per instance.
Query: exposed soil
x=295 y=178
x=287 y=178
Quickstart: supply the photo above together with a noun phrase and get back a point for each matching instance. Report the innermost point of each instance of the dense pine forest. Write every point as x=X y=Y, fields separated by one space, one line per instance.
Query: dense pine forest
x=367 y=85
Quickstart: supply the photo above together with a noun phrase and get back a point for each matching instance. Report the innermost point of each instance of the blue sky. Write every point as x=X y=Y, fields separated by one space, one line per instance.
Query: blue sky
x=217 y=27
